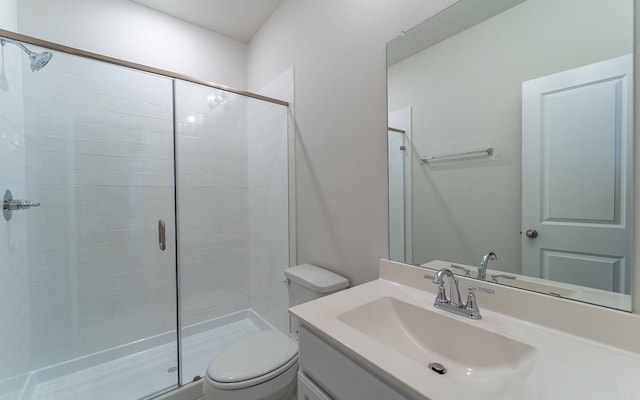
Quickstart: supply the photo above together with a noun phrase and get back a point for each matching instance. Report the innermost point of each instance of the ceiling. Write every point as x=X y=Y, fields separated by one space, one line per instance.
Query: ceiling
x=237 y=19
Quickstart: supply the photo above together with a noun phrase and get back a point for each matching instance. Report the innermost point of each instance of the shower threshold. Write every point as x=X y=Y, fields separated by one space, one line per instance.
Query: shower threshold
x=123 y=372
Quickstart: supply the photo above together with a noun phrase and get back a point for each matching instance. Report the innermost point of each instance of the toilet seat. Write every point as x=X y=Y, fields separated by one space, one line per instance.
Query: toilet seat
x=252 y=361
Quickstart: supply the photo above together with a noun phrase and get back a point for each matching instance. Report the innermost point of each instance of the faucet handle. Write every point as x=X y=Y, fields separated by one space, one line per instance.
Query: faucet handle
x=472 y=304
x=494 y=277
x=441 y=297
x=473 y=289
x=442 y=294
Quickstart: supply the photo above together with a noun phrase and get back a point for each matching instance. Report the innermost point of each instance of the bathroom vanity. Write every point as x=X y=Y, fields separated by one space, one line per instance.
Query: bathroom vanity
x=380 y=340
x=328 y=373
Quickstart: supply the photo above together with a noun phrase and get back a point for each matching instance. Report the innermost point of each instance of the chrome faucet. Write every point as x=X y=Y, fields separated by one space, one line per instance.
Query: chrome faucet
x=453 y=284
x=453 y=303
x=482 y=269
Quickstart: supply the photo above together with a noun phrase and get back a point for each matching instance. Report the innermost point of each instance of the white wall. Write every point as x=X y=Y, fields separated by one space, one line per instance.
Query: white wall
x=14 y=292
x=463 y=100
x=9 y=15
x=126 y=30
x=338 y=51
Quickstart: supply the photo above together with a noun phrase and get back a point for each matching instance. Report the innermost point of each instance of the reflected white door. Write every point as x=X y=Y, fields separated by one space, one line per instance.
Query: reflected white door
x=577 y=147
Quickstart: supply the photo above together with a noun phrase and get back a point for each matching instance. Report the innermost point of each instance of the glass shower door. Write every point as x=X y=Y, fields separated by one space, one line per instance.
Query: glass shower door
x=93 y=286
x=233 y=225
x=397 y=176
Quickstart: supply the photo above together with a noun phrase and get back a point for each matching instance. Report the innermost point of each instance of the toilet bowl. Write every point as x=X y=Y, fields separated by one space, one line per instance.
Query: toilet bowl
x=261 y=366
x=264 y=366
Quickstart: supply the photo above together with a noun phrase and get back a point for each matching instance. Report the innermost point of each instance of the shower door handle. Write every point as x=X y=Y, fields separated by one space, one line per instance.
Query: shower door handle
x=162 y=236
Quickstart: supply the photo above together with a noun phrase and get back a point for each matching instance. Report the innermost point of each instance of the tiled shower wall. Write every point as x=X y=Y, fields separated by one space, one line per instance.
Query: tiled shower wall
x=99 y=159
x=233 y=203
x=96 y=150
x=212 y=202
x=14 y=293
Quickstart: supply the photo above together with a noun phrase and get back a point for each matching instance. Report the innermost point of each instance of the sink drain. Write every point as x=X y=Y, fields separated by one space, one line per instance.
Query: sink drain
x=438 y=368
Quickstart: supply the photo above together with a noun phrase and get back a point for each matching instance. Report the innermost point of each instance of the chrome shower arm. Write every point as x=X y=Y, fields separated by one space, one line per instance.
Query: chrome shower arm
x=23 y=47
x=38 y=60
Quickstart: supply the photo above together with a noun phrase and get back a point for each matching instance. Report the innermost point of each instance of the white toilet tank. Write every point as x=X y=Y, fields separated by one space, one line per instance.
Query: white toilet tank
x=307 y=282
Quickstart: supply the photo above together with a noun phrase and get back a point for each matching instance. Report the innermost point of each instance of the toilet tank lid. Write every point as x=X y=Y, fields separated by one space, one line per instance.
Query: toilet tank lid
x=316 y=278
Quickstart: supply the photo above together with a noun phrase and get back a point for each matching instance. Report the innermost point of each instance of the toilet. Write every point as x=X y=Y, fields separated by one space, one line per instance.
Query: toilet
x=264 y=366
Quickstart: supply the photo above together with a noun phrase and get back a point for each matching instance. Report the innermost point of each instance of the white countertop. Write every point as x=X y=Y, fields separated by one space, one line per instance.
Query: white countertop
x=568 y=367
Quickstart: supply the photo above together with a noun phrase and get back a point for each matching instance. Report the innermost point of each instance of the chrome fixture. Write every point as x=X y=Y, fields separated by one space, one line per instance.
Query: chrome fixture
x=531 y=233
x=467 y=271
x=482 y=269
x=10 y=205
x=453 y=284
x=453 y=303
x=38 y=60
x=396 y=130
x=438 y=368
x=494 y=277
x=488 y=152
x=162 y=235
x=217 y=100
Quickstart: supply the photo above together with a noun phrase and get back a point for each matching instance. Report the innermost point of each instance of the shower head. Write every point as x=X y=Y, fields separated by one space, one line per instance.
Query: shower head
x=38 y=60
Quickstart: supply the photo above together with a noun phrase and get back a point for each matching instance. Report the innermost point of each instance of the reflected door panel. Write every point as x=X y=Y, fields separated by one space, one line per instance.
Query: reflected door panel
x=576 y=168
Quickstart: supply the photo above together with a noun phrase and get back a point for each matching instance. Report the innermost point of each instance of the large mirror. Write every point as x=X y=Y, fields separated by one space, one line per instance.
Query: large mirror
x=511 y=145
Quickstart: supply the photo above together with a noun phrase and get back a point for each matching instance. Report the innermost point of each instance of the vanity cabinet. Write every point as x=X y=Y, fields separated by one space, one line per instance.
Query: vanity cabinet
x=308 y=390
x=326 y=373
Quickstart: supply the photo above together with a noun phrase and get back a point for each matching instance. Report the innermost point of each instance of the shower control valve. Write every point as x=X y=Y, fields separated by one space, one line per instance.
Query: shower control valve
x=18 y=205
x=10 y=205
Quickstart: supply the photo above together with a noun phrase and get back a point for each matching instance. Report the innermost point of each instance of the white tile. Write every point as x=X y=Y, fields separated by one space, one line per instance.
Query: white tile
x=33 y=90
x=96 y=101
x=161 y=98
x=102 y=117
x=153 y=125
x=105 y=87
x=134 y=108
x=60 y=78
x=52 y=93
x=42 y=109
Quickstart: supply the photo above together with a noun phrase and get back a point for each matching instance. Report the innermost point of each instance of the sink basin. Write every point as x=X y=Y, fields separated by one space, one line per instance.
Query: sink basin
x=494 y=365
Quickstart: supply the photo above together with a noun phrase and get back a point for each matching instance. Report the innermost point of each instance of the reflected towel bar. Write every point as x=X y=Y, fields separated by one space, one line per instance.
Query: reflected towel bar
x=488 y=152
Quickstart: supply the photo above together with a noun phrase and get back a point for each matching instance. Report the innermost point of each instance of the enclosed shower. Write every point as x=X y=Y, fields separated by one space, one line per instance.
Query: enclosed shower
x=162 y=229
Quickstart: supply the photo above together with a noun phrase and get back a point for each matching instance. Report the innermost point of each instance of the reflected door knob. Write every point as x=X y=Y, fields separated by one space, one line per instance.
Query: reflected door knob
x=531 y=233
